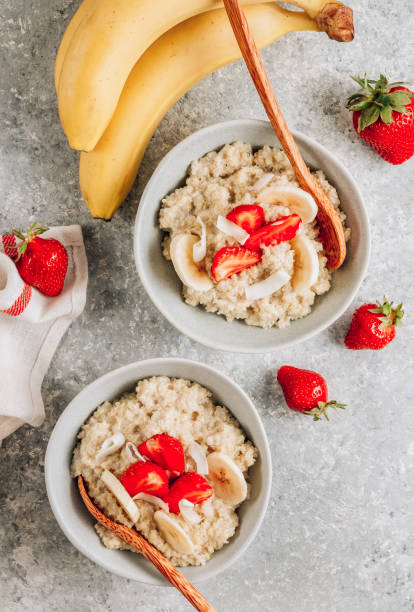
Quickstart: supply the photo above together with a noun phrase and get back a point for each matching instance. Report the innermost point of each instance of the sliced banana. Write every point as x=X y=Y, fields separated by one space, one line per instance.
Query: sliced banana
x=297 y=200
x=227 y=479
x=306 y=264
x=118 y=490
x=181 y=252
x=173 y=533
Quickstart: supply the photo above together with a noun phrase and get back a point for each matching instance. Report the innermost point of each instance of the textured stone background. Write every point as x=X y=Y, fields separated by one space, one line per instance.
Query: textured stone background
x=338 y=536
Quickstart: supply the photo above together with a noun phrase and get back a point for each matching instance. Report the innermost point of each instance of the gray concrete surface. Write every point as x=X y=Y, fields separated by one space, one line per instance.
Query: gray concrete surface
x=338 y=536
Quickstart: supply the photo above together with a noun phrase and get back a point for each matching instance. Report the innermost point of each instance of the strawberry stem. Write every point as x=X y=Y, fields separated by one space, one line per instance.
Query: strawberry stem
x=34 y=230
x=320 y=410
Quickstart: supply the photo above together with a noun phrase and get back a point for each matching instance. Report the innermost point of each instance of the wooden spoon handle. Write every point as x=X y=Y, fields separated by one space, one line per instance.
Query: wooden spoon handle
x=137 y=541
x=331 y=230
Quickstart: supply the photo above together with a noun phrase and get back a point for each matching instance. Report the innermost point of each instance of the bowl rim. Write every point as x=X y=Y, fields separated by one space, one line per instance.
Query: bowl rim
x=217 y=344
x=59 y=429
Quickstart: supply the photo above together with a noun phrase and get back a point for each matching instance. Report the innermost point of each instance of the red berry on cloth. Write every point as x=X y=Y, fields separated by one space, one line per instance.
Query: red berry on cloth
x=41 y=262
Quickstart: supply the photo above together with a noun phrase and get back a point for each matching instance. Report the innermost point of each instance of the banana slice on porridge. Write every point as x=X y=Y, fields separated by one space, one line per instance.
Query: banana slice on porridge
x=306 y=264
x=227 y=479
x=296 y=199
x=190 y=273
x=173 y=533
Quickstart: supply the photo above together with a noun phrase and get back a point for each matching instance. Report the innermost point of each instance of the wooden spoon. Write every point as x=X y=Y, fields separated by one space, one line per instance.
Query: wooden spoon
x=330 y=226
x=135 y=539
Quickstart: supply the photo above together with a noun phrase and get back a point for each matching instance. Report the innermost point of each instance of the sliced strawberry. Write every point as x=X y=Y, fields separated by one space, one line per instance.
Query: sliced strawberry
x=166 y=451
x=145 y=477
x=232 y=260
x=284 y=228
x=190 y=486
x=248 y=216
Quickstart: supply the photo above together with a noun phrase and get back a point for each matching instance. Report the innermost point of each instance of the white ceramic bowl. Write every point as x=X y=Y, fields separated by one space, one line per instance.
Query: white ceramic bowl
x=68 y=508
x=163 y=285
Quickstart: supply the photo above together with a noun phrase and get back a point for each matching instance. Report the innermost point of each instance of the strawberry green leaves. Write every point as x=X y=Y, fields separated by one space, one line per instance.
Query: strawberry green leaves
x=378 y=100
x=390 y=315
x=386 y=114
x=369 y=116
x=399 y=99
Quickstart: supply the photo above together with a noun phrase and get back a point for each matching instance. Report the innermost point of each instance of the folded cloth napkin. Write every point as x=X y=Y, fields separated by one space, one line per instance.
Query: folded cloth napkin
x=31 y=326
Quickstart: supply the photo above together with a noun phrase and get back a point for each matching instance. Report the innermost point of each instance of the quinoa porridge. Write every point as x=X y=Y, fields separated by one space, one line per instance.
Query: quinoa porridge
x=187 y=413
x=218 y=184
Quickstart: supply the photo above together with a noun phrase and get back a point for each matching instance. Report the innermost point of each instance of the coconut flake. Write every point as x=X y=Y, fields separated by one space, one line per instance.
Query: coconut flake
x=198 y=455
x=232 y=229
x=200 y=247
x=152 y=499
x=133 y=453
x=263 y=181
x=109 y=446
x=268 y=286
x=186 y=510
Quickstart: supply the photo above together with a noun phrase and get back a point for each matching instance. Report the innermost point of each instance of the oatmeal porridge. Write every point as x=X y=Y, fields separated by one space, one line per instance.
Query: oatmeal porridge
x=183 y=458
x=243 y=237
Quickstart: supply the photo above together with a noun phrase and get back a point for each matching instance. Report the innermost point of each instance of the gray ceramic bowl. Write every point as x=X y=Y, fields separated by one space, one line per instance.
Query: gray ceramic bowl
x=68 y=508
x=163 y=285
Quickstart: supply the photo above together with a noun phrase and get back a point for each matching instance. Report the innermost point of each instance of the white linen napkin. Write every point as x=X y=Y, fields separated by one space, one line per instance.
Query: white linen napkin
x=31 y=326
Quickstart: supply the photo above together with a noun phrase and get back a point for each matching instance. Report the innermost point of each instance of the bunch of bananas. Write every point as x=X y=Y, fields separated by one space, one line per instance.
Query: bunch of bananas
x=121 y=65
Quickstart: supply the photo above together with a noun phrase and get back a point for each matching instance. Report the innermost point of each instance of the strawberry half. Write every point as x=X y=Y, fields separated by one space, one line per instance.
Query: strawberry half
x=232 y=260
x=145 y=477
x=247 y=216
x=166 y=451
x=190 y=486
x=284 y=228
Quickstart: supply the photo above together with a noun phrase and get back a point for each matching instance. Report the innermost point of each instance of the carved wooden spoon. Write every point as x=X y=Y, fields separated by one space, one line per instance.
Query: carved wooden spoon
x=135 y=539
x=330 y=226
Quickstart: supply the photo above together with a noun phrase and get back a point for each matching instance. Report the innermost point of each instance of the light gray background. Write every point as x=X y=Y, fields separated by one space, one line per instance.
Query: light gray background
x=338 y=535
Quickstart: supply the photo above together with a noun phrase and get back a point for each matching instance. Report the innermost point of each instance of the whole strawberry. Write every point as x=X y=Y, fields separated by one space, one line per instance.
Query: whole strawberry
x=373 y=325
x=305 y=391
x=383 y=116
x=41 y=262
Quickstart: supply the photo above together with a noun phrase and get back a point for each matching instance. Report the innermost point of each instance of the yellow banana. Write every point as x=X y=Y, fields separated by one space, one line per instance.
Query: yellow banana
x=84 y=9
x=102 y=52
x=111 y=37
x=169 y=68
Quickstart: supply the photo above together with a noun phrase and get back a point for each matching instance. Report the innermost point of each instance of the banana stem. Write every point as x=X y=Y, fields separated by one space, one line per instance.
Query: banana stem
x=334 y=18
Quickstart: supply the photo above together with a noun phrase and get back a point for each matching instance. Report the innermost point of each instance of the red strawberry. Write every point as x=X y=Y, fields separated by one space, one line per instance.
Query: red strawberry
x=373 y=325
x=41 y=262
x=232 y=260
x=145 y=477
x=166 y=451
x=248 y=216
x=190 y=486
x=305 y=391
x=284 y=228
x=383 y=116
